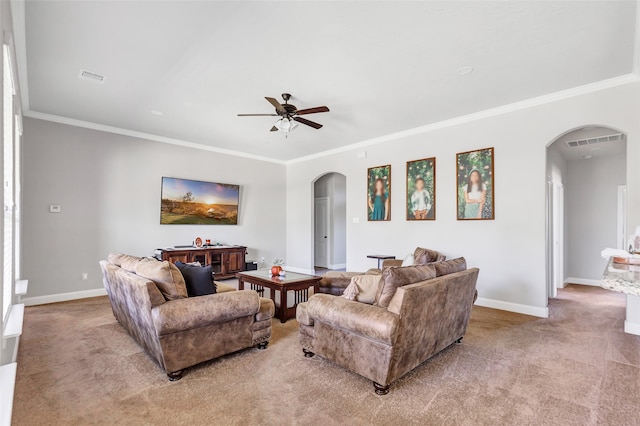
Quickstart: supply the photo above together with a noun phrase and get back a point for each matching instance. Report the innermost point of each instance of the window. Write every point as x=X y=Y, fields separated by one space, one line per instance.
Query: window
x=8 y=180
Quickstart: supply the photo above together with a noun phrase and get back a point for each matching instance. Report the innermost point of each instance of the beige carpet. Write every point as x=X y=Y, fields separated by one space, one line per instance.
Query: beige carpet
x=76 y=365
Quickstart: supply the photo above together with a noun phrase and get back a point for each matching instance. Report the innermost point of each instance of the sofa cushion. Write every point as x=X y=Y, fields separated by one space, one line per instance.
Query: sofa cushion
x=363 y=288
x=410 y=260
x=423 y=256
x=393 y=278
x=450 y=266
x=126 y=262
x=223 y=288
x=166 y=276
x=198 y=279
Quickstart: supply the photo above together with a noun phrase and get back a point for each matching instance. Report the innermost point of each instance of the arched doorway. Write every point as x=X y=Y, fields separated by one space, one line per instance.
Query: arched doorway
x=330 y=221
x=586 y=207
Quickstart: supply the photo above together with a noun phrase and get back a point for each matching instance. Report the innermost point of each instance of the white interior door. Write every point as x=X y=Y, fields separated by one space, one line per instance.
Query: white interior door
x=321 y=232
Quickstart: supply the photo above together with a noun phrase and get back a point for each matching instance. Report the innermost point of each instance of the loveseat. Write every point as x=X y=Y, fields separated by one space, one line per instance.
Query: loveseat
x=175 y=330
x=334 y=282
x=419 y=311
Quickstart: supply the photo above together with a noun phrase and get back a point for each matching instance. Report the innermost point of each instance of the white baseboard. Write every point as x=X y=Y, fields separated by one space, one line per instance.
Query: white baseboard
x=300 y=270
x=513 y=307
x=338 y=266
x=63 y=297
x=581 y=281
x=632 y=327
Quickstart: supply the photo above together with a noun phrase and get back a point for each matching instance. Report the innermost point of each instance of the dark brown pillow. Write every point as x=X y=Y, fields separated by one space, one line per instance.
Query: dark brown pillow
x=397 y=277
x=450 y=266
x=422 y=256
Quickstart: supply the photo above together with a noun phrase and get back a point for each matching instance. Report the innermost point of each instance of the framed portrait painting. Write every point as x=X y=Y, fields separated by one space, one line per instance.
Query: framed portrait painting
x=421 y=189
x=475 y=185
x=379 y=193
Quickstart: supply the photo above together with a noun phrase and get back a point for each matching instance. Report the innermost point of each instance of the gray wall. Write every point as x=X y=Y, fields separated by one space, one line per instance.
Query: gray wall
x=591 y=196
x=108 y=187
x=334 y=187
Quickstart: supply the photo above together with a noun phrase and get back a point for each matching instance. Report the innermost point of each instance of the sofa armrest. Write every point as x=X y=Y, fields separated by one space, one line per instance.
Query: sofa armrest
x=370 y=321
x=267 y=309
x=194 y=312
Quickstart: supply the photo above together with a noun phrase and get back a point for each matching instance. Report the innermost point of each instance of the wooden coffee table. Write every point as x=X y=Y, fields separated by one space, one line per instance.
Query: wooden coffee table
x=298 y=283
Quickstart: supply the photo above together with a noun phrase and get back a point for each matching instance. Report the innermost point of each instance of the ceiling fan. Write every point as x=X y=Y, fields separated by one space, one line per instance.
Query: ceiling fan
x=289 y=114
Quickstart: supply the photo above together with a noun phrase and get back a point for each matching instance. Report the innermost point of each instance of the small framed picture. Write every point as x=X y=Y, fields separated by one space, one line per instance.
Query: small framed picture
x=379 y=193
x=421 y=189
x=475 y=185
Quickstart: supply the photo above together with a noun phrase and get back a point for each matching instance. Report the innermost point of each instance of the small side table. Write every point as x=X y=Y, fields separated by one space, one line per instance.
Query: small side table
x=380 y=257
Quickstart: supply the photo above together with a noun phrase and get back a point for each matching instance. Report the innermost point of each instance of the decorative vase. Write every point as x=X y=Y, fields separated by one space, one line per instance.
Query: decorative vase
x=275 y=270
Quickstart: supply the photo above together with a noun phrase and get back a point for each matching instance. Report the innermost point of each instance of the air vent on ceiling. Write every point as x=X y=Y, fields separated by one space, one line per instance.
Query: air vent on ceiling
x=91 y=76
x=591 y=141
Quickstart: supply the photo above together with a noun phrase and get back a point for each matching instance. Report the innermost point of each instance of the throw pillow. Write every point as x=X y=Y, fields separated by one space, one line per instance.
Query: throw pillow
x=199 y=279
x=124 y=261
x=409 y=260
x=363 y=288
x=423 y=256
x=166 y=276
x=393 y=278
x=450 y=266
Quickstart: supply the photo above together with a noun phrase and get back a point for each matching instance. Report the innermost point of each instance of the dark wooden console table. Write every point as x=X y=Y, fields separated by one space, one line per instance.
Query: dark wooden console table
x=225 y=261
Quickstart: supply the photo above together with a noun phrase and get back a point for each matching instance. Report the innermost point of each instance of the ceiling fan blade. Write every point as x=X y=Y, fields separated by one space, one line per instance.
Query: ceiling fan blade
x=279 y=108
x=312 y=110
x=307 y=122
x=274 y=129
x=257 y=115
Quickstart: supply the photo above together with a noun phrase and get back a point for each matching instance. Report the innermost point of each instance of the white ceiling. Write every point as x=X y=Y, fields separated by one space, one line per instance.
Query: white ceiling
x=381 y=67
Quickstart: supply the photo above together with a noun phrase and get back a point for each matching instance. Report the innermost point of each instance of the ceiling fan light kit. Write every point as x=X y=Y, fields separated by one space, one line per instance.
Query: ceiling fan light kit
x=286 y=125
x=288 y=114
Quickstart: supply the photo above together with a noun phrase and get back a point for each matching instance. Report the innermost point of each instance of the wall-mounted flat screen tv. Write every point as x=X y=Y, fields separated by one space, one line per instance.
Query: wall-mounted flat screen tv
x=193 y=202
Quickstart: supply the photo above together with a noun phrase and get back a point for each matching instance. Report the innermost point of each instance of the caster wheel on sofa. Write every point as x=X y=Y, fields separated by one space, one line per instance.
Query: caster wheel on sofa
x=381 y=390
x=262 y=346
x=176 y=375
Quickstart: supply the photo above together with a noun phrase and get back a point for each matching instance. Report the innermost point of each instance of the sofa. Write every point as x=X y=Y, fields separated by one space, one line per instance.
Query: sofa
x=149 y=299
x=427 y=309
x=334 y=282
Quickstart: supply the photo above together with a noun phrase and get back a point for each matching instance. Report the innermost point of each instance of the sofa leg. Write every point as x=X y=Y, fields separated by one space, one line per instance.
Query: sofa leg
x=459 y=340
x=381 y=390
x=263 y=345
x=176 y=375
x=307 y=353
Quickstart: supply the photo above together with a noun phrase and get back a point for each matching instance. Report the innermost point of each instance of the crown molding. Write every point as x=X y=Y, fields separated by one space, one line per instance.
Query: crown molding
x=492 y=112
x=480 y=115
x=147 y=136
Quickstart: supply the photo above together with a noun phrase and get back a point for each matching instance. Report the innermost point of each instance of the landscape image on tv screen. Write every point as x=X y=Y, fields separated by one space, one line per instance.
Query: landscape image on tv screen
x=192 y=202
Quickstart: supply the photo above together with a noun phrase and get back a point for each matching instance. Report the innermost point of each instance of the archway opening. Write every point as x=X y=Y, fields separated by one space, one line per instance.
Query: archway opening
x=586 y=203
x=330 y=222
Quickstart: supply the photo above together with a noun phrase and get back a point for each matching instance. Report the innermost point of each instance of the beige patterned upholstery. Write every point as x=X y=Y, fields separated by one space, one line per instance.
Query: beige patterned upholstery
x=184 y=332
x=385 y=343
